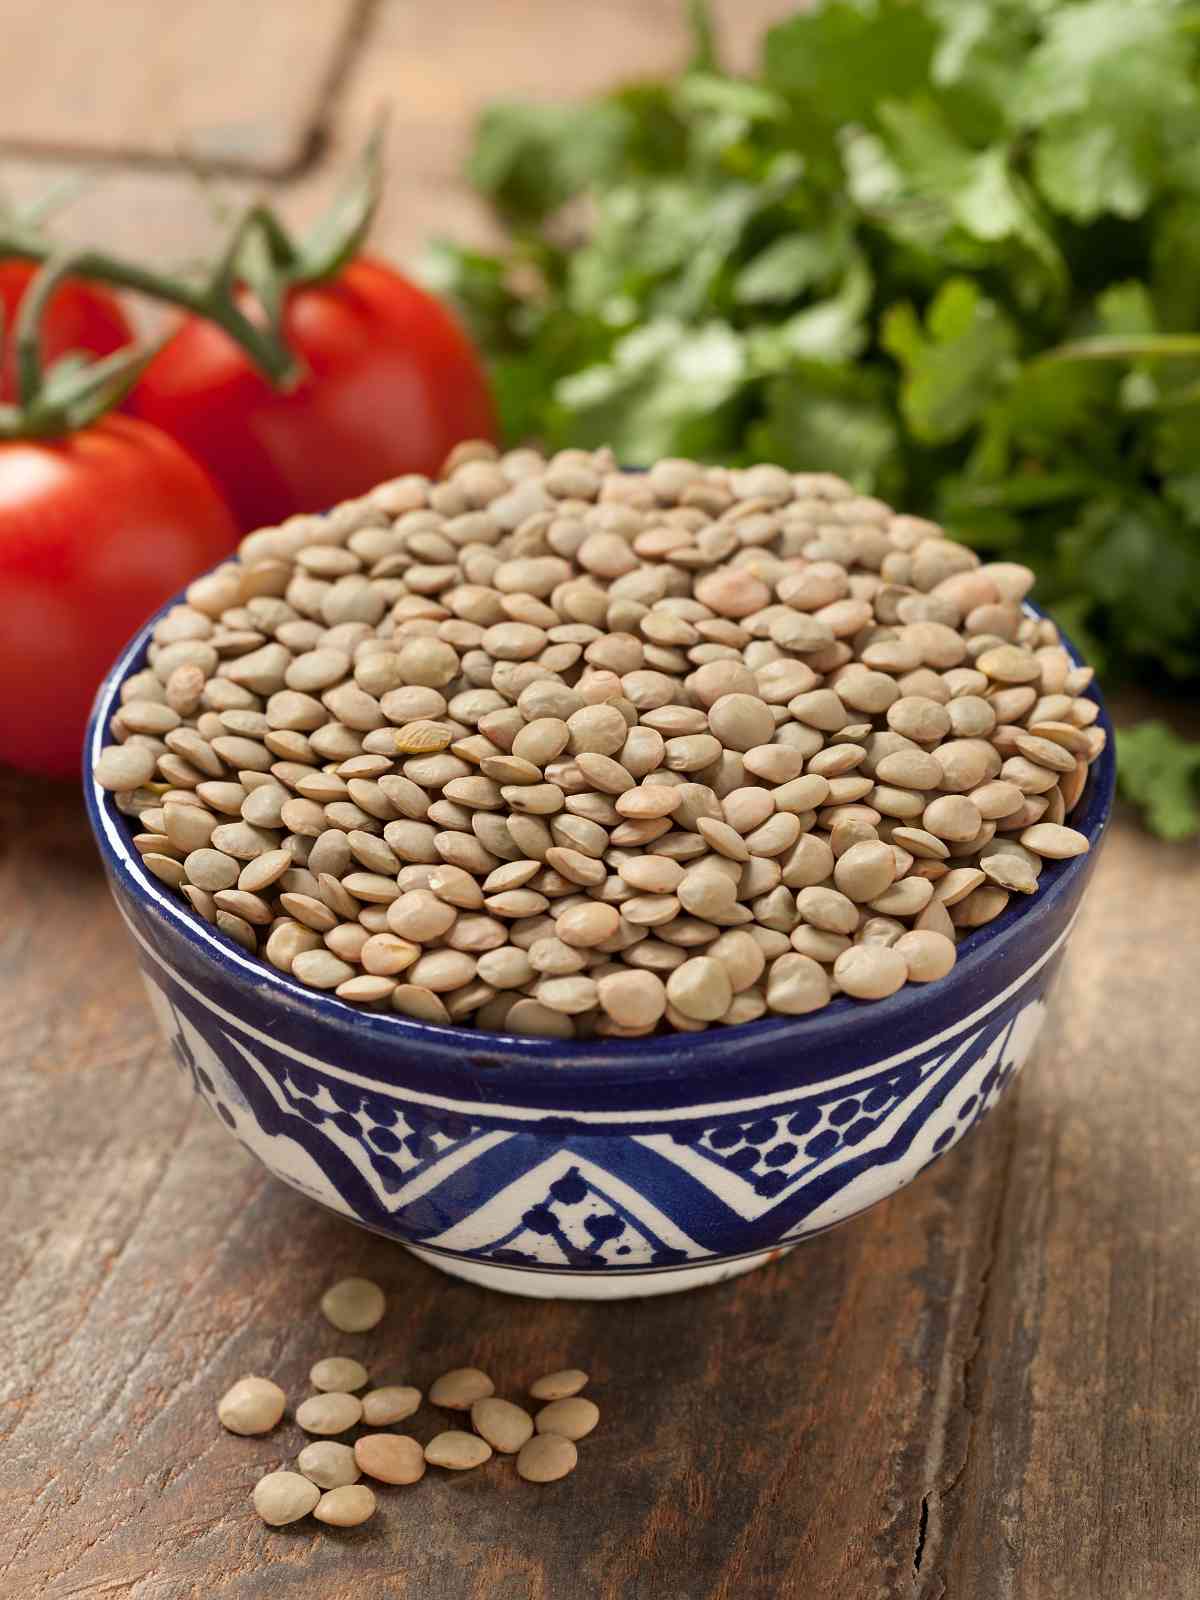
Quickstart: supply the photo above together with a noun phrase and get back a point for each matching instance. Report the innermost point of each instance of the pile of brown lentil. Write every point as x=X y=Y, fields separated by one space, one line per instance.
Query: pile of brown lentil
x=550 y=748
x=325 y=1479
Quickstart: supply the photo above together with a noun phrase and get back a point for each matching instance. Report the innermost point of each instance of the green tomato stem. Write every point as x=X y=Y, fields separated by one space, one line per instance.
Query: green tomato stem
x=28 y=327
x=260 y=256
x=1127 y=347
x=72 y=392
x=214 y=301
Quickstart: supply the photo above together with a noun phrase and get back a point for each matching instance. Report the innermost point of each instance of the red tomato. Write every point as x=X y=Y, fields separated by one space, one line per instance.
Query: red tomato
x=80 y=316
x=390 y=384
x=96 y=531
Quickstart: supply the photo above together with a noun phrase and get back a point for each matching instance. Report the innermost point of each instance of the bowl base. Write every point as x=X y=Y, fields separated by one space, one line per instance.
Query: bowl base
x=549 y=1285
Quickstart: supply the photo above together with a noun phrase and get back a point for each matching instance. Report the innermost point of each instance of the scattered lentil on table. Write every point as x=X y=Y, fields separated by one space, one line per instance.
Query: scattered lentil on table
x=339 y=1374
x=392 y=1403
x=347 y=1506
x=459 y=1389
x=559 y=1385
x=572 y=1419
x=327 y=1483
x=390 y=1457
x=283 y=1497
x=252 y=1405
x=329 y=1464
x=546 y=1457
x=329 y=1413
x=457 y=1450
x=505 y=1426
x=354 y=1305
x=547 y=747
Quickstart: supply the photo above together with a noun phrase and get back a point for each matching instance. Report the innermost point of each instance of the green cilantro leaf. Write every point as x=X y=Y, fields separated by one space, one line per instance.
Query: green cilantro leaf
x=947 y=248
x=846 y=56
x=954 y=363
x=529 y=159
x=657 y=394
x=786 y=267
x=1161 y=772
x=830 y=419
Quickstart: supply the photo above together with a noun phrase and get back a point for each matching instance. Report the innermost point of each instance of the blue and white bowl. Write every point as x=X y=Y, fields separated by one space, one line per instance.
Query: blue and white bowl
x=593 y=1170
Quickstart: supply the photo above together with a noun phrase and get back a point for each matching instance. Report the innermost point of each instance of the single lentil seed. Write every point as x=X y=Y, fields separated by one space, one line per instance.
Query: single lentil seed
x=347 y=1506
x=457 y=1450
x=547 y=1457
x=571 y=1418
x=870 y=971
x=1054 y=841
x=353 y=1305
x=341 y=1374
x=328 y=1464
x=390 y=1457
x=505 y=1426
x=459 y=1389
x=928 y=955
x=561 y=1385
x=124 y=767
x=283 y=1497
x=329 y=1413
x=392 y=1403
x=252 y=1405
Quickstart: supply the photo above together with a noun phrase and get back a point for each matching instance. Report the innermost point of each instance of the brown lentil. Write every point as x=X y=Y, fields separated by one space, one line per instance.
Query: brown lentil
x=328 y=1464
x=392 y=1403
x=544 y=743
x=354 y=1305
x=347 y=1506
x=329 y=1413
x=252 y=1405
x=283 y=1497
x=390 y=1457
x=559 y=1385
x=505 y=1426
x=339 y=1374
x=459 y=1389
x=870 y=971
x=547 y=1457
x=571 y=1418
x=457 y=1450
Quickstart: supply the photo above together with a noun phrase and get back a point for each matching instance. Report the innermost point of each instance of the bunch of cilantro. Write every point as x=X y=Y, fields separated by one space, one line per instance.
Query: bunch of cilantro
x=949 y=249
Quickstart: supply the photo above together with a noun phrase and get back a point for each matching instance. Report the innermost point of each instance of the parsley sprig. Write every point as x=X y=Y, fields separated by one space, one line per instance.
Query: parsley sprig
x=948 y=248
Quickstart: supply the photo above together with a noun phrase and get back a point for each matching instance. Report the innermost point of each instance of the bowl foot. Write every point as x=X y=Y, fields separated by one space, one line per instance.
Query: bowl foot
x=545 y=1284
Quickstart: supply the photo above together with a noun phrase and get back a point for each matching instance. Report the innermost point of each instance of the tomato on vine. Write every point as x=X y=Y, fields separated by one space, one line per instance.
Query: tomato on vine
x=97 y=529
x=80 y=316
x=301 y=374
x=102 y=519
x=387 y=383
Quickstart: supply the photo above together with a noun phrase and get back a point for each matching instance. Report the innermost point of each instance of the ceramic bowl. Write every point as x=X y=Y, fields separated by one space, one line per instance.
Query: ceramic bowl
x=593 y=1170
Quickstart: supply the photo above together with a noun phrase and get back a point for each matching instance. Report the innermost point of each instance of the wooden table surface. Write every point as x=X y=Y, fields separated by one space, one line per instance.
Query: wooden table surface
x=984 y=1388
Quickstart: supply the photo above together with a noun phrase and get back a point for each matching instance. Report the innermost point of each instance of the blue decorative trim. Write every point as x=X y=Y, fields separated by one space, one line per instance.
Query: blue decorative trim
x=610 y=1157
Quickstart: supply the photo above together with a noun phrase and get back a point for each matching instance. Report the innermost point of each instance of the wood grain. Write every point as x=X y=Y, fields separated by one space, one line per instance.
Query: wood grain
x=1082 y=1480
x=983 y=1389
x=238 y=85
x=152 y=1262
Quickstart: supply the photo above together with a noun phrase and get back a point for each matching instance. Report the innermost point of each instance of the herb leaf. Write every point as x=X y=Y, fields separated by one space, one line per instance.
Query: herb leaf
x=1161 y=772
x=949 y=249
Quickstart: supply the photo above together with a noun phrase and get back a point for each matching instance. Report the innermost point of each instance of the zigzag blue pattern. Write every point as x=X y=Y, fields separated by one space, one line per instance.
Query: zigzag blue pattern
x=533 y=1194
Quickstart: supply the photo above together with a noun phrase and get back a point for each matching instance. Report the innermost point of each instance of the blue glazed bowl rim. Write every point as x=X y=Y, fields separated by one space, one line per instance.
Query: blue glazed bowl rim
x=830 y=1031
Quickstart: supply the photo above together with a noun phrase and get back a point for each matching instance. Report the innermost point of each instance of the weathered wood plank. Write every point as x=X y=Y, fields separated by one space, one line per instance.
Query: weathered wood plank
x=244 y=86
x=981 y=1387
x=984 y=1388
x=1080 y=1478
x=775 y=1435
x=437 y=66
